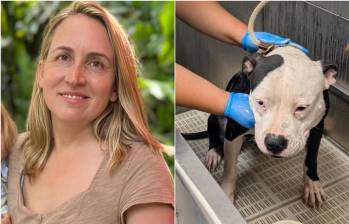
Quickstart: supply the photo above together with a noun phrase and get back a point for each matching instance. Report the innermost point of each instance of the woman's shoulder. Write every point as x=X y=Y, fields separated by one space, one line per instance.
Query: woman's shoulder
x=148 y=179
x=140 y=153
x=16 y=152
x=22 y=137
x=142 y=158
x=142 y=161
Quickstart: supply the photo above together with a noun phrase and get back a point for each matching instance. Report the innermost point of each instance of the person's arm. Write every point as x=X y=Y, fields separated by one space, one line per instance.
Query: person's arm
x=154 y=213
x=212 y=19
x=195 y=92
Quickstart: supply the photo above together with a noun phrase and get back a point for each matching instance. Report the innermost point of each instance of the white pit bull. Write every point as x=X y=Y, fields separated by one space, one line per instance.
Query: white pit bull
x=289 y=98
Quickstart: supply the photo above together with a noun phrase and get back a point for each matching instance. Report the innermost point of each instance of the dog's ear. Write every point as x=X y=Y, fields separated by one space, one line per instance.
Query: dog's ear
x=269 y=63
x=249 y=64
x=330 y=73
x=257 y=66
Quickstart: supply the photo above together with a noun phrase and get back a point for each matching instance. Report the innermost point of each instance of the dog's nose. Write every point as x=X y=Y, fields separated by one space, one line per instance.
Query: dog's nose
x=275 y=143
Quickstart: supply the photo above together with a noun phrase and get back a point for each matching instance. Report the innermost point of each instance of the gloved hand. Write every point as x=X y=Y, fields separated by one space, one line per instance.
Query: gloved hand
x=269 y=38
x=238 y=109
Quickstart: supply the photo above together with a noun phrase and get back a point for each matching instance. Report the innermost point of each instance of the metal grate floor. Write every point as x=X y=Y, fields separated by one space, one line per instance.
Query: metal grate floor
x=270 y=189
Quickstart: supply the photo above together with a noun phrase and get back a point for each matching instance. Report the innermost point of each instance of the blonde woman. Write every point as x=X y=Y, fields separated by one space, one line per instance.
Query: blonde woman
x=88 y=156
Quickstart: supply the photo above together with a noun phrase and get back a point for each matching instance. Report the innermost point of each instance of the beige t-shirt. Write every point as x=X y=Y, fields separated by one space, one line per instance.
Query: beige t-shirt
x=142 y=177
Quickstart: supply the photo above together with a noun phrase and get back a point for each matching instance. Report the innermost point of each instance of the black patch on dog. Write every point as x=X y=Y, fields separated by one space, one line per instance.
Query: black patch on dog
x=220 y=127
x=262 y=66
x=314 y=140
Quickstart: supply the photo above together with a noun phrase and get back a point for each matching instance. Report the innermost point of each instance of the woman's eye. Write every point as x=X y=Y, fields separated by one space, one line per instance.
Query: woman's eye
x=96 y=64
x=62 y=57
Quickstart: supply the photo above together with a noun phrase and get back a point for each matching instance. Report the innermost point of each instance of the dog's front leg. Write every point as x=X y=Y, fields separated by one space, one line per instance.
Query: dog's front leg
x=231 y=153
x=314 y=195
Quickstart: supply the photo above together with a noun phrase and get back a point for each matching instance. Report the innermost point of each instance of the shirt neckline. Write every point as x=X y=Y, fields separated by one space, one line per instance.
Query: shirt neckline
x=66 y=204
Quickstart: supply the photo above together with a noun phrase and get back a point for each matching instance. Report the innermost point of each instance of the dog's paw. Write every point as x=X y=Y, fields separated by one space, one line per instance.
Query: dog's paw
x=229 y=190
x=314 y=195
x=212 y=160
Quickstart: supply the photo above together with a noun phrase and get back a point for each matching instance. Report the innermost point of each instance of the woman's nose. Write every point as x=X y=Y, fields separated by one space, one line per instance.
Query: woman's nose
x=75 y=75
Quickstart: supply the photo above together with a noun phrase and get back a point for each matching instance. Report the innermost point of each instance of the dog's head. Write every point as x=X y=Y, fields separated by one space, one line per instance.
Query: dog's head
x=286 y=98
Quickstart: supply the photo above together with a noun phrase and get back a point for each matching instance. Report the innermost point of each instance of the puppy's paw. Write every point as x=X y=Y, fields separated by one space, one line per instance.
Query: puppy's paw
x=212 y=160
x=314 y=195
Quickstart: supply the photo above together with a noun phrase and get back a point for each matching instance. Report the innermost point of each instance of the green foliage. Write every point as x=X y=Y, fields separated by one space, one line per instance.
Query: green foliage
x=150 y=27
x=21 y=27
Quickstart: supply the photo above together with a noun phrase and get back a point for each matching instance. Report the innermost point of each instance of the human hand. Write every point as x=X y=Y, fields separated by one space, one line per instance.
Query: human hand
x=268 y=38
x=238 y=108
x=6 y=219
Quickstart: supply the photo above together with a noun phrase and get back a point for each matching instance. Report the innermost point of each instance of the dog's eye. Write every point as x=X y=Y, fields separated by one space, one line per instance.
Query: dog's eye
x=301 y=108
x=260 y=106
x=260 y=102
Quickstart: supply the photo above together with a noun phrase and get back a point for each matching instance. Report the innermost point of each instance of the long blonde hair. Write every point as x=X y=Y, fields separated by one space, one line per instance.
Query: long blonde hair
x=8 y=129
x=122 y=122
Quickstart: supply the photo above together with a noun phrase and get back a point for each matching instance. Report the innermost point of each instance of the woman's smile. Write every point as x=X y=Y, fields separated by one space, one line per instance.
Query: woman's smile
x=77 y=78
x=73 y=97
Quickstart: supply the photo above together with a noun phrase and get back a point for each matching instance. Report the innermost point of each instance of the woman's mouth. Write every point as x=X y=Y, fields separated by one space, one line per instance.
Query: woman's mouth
x=73 y=96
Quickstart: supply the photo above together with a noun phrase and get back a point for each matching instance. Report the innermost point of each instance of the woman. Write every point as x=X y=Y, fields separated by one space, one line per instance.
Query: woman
x=88 y=156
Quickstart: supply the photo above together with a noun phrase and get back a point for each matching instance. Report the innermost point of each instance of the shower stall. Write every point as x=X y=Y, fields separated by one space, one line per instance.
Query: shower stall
x=268 y=189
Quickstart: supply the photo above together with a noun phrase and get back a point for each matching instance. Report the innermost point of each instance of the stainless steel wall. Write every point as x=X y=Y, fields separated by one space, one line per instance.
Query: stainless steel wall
x=323 y=27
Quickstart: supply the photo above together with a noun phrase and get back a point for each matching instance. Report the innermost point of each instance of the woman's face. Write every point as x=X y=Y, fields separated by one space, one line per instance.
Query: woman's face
x=77 y=77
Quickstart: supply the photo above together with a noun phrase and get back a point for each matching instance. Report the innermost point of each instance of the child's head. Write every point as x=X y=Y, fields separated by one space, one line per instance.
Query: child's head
x=8 y=132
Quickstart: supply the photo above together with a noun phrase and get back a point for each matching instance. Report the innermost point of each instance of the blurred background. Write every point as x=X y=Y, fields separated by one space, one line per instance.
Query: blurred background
x=150 y=28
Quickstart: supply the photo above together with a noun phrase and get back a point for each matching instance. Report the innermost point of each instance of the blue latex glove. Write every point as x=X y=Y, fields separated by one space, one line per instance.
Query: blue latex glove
x=269 y=38
x=238 y=109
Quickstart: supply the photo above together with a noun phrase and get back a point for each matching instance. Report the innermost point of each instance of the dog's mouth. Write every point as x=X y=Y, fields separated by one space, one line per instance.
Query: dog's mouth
x=276 y=156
